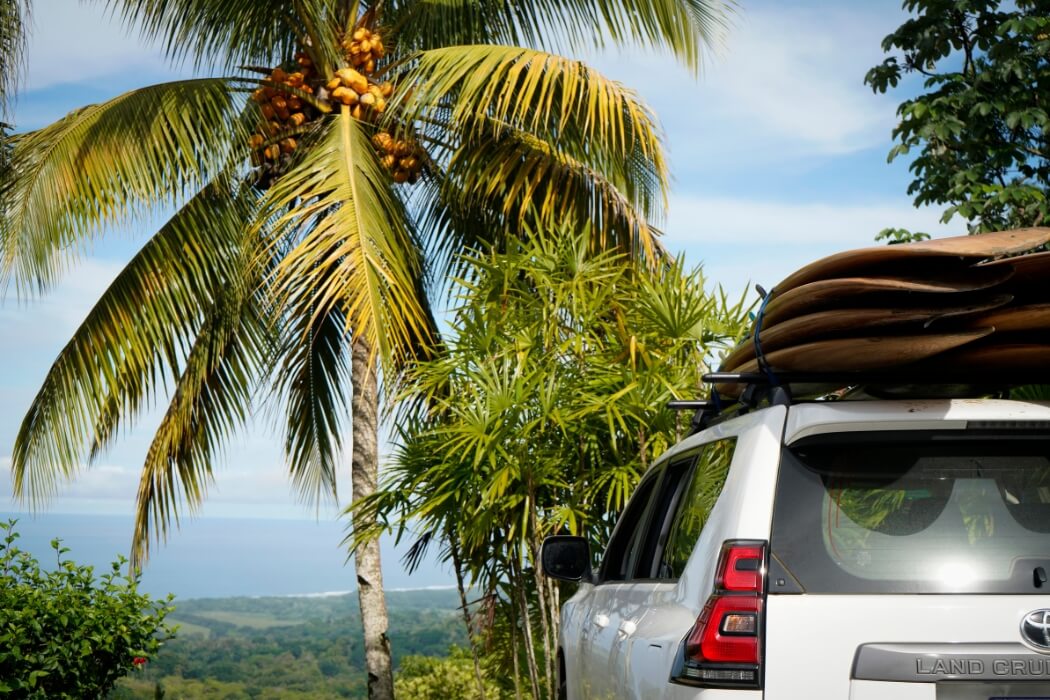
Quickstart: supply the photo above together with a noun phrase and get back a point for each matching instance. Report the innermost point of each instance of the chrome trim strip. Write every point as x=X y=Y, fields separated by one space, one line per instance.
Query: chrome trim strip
x=930 y=663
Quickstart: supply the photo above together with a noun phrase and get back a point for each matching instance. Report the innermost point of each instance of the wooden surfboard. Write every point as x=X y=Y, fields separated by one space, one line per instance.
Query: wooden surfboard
x=819 y=325
x=863 y=354
x=1031 y=317
x=993 y=358
x=987 y=245
x=838 y=292
x=1031 y=274
x=845 y=355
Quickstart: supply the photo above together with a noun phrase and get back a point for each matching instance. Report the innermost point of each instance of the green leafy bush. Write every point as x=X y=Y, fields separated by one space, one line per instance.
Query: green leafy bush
x=67 y=634
x=430 y=678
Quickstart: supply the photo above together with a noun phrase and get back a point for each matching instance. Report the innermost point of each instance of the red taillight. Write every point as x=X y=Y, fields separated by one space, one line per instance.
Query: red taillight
x=723 y=649
x=726 y=631
x=740 y=568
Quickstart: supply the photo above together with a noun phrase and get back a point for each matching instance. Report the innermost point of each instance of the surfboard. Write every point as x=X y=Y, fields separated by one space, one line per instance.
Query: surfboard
x=853 y=321
x=863 y=354
x=842 y=291
x=995 y=358
x=1031 y=274
x=987 y=245
x=1031 y=317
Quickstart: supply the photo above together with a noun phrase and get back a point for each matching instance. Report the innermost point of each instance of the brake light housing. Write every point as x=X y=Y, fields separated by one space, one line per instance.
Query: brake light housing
x=723 y=649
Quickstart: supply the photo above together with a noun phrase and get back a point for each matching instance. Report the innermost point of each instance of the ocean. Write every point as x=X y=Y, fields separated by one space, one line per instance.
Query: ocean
x=223 y=557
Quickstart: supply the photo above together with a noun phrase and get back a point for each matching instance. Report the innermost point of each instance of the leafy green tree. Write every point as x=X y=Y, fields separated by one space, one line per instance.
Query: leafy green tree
x=297 y=268
x=543 y=413
x=67 y=633
x=430 y=678
x=977 y=135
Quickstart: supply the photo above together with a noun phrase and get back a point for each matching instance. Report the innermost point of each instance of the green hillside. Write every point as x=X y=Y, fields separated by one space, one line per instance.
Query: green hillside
x=287 y=648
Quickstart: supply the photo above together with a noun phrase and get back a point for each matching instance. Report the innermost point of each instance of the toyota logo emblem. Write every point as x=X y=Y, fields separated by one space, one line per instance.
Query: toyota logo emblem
x=1035 y=630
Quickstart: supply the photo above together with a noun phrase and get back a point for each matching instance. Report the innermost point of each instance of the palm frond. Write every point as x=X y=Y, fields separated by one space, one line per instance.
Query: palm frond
x=142 y=326
x=14 y=28
x=224 y=33
x=477 y=90
x=533 y=184
x=684 y=27
x=314 y=385
x=211 y=399
x=353 y=250
x=146 y=148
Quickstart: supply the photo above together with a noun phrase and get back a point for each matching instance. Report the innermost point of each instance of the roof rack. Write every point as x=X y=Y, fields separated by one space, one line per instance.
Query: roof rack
x=780 y=388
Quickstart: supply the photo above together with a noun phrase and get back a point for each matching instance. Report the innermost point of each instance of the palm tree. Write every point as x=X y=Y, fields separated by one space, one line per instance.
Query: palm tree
x=14 y=16
x=321 y=199
x=543 y=412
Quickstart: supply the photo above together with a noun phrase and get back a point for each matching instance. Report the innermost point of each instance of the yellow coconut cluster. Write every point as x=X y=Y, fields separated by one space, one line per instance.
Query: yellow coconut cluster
x=365 y=98
x=364 y=48
x=402 y=157
x=283 y=110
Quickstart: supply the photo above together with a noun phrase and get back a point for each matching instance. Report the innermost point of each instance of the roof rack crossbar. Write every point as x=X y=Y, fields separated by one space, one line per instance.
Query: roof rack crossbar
x=689 y=405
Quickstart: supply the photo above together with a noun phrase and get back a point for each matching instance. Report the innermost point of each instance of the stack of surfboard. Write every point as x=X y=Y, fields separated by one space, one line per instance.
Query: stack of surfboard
x=940 y=310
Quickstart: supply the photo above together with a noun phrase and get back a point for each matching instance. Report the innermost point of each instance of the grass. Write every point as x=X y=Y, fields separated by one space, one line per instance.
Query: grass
x=188 y=629
x=256 y=621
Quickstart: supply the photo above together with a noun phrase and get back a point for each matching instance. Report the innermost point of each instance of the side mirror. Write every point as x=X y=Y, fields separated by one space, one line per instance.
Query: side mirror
x=566 y=558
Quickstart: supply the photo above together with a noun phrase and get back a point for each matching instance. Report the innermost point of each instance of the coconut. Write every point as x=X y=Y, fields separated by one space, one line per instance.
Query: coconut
x=345 y=95
x=255 y=141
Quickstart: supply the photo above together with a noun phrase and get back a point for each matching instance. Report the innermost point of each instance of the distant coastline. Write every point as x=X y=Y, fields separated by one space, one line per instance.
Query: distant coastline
x=226 y=557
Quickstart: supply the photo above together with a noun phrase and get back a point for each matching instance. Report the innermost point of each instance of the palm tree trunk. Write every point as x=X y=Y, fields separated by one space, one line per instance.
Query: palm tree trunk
x=364 y=476
x=457 y=566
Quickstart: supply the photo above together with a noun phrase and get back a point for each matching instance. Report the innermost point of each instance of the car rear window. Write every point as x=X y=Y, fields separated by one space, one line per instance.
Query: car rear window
x=914 y=512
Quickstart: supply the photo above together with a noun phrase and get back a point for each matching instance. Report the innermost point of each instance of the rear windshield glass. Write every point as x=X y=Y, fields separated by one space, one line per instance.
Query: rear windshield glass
x=922 y=513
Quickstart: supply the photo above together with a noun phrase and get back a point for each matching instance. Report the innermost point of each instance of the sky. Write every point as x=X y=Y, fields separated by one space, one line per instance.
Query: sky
x=778 y=153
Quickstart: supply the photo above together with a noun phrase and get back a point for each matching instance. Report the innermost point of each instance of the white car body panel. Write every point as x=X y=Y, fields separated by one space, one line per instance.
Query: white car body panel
x=620 y=639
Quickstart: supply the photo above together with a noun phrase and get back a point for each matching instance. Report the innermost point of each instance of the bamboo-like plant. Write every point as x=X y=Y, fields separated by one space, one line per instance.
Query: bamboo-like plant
x=546 y=408
x=321 y=196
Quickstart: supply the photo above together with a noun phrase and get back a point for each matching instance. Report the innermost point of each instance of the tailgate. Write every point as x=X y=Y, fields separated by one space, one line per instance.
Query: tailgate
x=874 y=647
x=911 y=565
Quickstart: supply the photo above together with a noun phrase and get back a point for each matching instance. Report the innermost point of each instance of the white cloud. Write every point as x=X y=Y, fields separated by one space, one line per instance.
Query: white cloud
x=72 y=41
x=787 y=86
x=47 y=322
x=744 y=240
x=797 y=74
x=703 y=220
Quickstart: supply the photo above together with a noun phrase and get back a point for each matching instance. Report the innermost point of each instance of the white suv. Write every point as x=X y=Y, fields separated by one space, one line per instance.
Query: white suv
x=856 y=550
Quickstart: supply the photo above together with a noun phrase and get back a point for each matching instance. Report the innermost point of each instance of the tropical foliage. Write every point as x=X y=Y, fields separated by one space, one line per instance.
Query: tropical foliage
x=977 y=135
x=66 y=633
x=546 y=408
x=322 y=190
x=14 y=15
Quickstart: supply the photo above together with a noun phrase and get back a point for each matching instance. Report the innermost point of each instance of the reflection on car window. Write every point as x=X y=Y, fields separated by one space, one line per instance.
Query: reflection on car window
x=924 y=512
x=705 y=485
x=629 y=530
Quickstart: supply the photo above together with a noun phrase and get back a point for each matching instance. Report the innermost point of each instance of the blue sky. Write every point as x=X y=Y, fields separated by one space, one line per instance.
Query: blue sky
x=778 y=153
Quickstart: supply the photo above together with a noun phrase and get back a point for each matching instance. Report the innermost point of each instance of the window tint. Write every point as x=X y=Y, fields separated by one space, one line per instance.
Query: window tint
x=934 y=513
x=704 y=486
x=663 y=506
x=627 y=538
